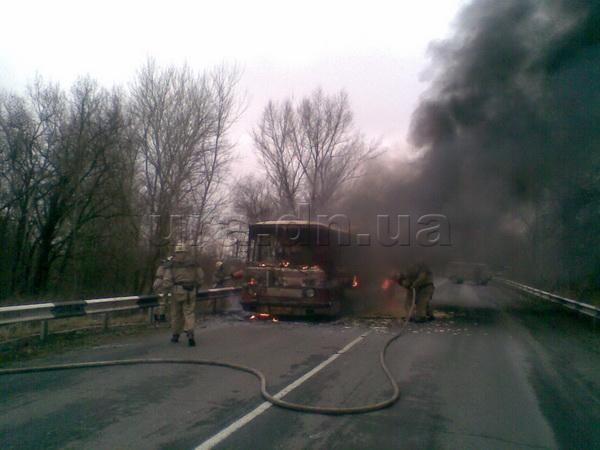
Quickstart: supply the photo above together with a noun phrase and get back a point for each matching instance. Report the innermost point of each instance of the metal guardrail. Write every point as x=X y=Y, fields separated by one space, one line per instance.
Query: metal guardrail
x=583 y=308
x=60 y=310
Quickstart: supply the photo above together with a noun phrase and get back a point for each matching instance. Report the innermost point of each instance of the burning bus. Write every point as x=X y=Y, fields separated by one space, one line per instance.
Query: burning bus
x=297 y=268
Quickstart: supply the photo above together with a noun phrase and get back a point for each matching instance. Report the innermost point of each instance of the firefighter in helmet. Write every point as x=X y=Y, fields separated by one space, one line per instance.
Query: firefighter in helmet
x=181 y=278
x=220 y=276
x=420 y=278
x=225 y=275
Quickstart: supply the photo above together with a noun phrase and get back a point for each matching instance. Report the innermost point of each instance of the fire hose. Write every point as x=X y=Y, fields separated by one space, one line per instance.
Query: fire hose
x=258 y=374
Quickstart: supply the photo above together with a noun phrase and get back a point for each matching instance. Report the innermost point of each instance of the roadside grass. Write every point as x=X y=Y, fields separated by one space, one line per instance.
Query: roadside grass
x=540 y=316
x=32 y=329
x=19 y=342
x=31 y=347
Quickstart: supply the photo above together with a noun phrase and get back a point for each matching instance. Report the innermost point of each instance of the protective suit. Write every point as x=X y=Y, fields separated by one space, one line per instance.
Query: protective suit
x=157 y=288
x=225 y=276
x=220 y=277
x=181 y=278
x=420 y=278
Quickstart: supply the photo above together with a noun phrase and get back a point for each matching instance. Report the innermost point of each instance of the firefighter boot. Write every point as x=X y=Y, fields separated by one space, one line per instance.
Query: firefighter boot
x=191 y=340
x=175 y=338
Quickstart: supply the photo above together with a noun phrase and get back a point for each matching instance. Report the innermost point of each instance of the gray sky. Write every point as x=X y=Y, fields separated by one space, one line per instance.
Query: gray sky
x=375 y=50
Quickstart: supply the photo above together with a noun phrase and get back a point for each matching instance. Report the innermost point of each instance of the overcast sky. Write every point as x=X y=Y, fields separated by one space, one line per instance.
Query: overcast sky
x=375 y=50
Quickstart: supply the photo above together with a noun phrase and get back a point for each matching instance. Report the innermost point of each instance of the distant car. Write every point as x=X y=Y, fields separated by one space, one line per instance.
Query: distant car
x=459 y=272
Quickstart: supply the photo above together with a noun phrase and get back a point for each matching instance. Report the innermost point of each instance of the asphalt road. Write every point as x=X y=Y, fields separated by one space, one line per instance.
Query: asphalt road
x=493 y=371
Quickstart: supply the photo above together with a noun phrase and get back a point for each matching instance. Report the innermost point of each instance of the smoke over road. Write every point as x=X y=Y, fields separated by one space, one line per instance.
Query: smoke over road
x=510 y=140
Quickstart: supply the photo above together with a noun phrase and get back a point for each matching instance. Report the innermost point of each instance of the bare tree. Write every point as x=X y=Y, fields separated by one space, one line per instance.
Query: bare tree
x=80 y=149
x=20 y=177
x=274 y=140
x=59 y=152
x=171 y=114
x=329 y=149
x=181 y=120
x=226 y=110
x=252 y=199
x=79 y=171
x=310 y=151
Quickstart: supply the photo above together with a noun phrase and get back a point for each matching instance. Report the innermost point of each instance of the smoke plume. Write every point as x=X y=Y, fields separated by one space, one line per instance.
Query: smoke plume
x=509 y=132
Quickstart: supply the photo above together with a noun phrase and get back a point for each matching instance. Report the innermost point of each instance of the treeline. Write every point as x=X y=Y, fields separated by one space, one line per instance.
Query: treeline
x=97 y=185
x=90 y=178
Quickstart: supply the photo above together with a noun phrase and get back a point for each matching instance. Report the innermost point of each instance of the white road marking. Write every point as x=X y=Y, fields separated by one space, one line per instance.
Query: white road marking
x=226 y=432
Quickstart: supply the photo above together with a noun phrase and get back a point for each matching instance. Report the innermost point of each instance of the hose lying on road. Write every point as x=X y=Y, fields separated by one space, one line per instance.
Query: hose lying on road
x=258 y=374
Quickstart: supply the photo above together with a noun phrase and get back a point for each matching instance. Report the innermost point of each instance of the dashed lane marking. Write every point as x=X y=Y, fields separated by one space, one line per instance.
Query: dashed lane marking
x=226 y=432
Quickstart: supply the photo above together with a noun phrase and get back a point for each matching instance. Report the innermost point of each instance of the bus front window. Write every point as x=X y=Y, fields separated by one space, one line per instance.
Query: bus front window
x=298 y=255
x=263 y=249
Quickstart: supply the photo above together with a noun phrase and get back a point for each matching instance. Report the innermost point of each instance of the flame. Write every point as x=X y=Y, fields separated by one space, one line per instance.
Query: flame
x=237 y=274
x=355 y=281
x=252 y=282
x=264 y=316
x=387 y=283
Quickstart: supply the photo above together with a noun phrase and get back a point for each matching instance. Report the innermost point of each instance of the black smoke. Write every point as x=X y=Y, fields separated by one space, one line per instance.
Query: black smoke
x=509 y=132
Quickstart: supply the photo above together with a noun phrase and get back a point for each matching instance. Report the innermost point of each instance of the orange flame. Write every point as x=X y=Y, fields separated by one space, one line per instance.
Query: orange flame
x=263 y=316
x=237 y=274
x=387 y=283
x=355 y=281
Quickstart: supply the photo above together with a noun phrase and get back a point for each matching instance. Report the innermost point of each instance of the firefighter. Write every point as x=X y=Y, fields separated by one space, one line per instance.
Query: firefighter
x=157 y=287
x=420 y=278
x=220 y=277
x=181 y=278
x=225 y=275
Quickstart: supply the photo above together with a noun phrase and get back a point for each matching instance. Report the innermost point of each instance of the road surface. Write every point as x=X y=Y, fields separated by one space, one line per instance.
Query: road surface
x=493 y=371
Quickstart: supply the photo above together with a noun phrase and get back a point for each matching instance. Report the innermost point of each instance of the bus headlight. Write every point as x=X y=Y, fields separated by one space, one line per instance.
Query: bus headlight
x=310 y=293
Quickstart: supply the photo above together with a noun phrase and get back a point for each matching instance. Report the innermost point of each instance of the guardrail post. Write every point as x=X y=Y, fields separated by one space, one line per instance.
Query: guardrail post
x=105 y=322
x=151 y=315
x=44 y=330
